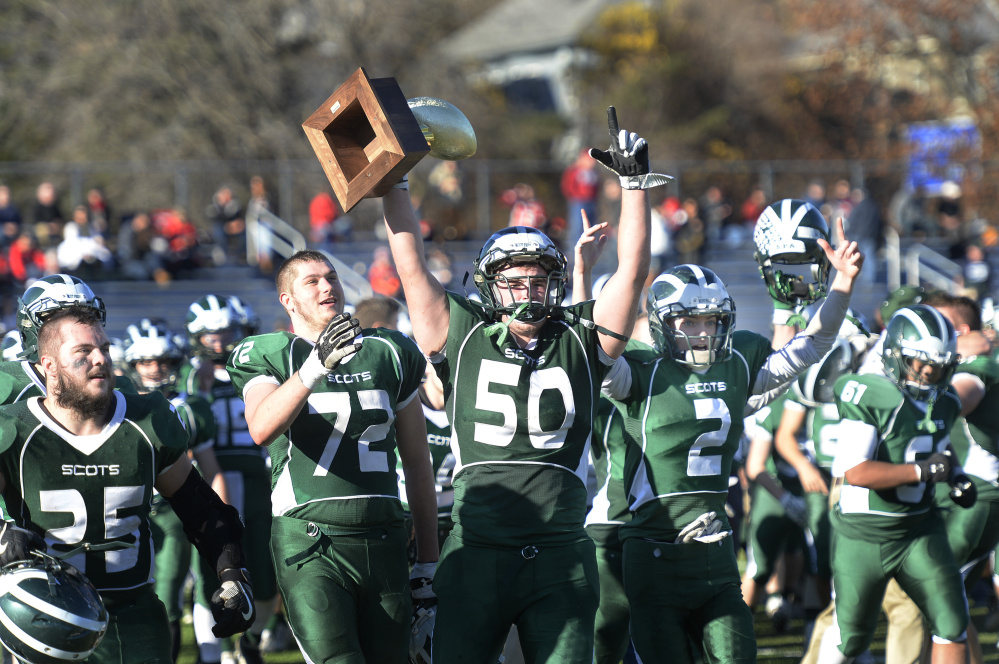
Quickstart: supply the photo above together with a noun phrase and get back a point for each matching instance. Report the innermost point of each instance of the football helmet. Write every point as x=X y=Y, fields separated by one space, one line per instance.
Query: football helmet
x=12 y=346
x=150 y=340
x=248 y=318
x=213 y=314
x=686 y=291
x=46 y=295
x=50 y=613
x=920 y=333
x=787 y=233
x=815 y=385
x=519 y=245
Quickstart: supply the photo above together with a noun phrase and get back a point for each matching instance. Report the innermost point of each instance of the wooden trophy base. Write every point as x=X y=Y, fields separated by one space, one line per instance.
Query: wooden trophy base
x=366 y=138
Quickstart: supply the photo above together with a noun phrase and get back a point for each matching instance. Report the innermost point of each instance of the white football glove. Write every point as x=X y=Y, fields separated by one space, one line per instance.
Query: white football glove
x=706 y=528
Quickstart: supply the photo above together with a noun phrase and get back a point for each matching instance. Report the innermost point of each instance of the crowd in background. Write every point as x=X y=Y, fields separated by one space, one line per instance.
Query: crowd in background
x=166 y=244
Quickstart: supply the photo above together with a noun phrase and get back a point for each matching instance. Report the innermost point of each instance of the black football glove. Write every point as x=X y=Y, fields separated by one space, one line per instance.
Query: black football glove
x=628 y=153
x=339 y=340
x=934 y=469
x=963 y=491
x=18 y=543
x=232 y=604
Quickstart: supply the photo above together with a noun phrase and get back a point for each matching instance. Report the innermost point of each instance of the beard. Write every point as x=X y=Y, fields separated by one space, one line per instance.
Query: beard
x=314 y=318
x=73 y=394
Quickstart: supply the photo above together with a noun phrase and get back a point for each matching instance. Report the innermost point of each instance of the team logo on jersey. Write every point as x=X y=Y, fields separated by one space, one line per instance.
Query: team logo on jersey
x=90 y=470
x=704 y=388
x=518 y=354
x=347 y=379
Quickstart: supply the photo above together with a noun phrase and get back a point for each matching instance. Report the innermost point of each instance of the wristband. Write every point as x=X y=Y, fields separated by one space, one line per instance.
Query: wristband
x=646 y=181
x=919 y=472
x=403 y=183
x=312 y=371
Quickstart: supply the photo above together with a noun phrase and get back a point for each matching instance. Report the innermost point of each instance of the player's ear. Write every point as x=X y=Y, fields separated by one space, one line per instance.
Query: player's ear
x=285 y=299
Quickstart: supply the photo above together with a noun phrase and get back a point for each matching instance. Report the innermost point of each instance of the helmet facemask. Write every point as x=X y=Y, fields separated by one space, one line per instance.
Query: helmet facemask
x=899 y=365
x=513 y=247
x=689 y=291
x=213 y=315
x=788 y=234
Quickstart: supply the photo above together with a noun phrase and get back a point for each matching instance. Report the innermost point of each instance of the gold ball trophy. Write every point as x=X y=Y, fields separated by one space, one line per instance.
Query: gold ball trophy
x=368 y=136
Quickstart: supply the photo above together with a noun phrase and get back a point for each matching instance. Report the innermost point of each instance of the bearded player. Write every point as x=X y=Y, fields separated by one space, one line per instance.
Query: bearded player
x=77 y=473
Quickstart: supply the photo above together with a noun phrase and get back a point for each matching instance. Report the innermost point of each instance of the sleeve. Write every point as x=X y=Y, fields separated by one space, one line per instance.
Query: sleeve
x=266 y=357
x=858 y=427
x=170 y=438
x=412 y=366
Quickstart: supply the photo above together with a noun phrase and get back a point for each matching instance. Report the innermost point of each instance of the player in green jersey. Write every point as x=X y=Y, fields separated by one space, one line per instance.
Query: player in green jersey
x=684 y=419
x=152 y=359
x=521 y=374
x=214 y=327
x=78 y=468
x=885 y=523
x=333 y=431
x=21 y=377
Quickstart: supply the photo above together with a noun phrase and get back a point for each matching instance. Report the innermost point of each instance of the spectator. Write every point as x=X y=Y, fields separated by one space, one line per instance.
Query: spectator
x=179 y=240
x=660 y=237
x=753 y=207
x=977 y=272
x=815 y=193
x=226 y=215
x=382 y=275
x=377 y=311
x=259 y=202
x=841 y=204
x=140 y=249
x=716 y=213
x=440 y=265
x=27 y=260
x=863 y=226
x=98 y=214
x=445 y=195
x=525 y=209
x=580 y=186
x=907 y=213
x=80 y=254
x=322 y=213
x=950 y=219
x=688 y=238
x=46 y=216
x=10 y=218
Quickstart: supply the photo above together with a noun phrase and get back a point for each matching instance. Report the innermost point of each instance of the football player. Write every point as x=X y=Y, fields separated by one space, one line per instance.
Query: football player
x=522 y=374
x=686 y=410
x=333 y=431
x=153 y=360
x=885 y=523
x=22 y=377
x=214 y=328
x=77 y=472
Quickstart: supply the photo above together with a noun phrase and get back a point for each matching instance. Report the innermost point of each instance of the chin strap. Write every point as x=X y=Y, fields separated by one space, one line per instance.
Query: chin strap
x=503 y=327
x=927 y=424
x=572 y=318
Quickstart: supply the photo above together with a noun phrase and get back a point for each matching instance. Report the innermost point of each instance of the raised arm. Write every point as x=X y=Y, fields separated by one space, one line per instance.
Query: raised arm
x=617 y=306
x=428 y=309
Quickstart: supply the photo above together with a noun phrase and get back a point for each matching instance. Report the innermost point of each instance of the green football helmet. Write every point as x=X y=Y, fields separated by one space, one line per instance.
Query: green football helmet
x=920 y=333
x=686 y=291
x=787 y=233
x=50 y=613
x=149 y=340
x=519 y=245
x=12 y=346
x=45 y=296
x=815 y=385
x=213 y=314
x=248 y=318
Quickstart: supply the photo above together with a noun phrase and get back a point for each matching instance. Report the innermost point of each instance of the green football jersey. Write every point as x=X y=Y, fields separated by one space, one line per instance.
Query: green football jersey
x=91 y=489
x=441 y=460
x=521 y=421
x=881 y=423
x=196 y=414
x=975 y=438
x=342 y=446
x=19 y=381
x=610 y=503
x=683 y=429
x=822 y=423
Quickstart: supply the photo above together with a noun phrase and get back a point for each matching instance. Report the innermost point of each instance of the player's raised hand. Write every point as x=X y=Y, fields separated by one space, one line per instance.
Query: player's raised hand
x=846 y=257
x=590 y=244
x=628 y=157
